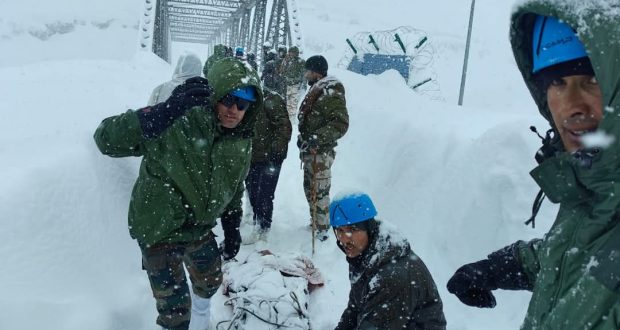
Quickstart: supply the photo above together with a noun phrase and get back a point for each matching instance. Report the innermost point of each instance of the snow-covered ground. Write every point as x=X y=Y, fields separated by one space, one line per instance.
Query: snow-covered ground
x=453 y=179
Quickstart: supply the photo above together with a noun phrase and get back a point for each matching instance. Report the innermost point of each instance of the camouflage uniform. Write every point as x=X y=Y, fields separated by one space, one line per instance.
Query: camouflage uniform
x=292 y=70
x=280 y=83
x=164 y=266
x=270 y=76
x=323 y=119
x=317 y=171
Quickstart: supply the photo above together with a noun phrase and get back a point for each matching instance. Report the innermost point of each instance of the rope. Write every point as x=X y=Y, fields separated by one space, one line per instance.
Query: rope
x=241 y=312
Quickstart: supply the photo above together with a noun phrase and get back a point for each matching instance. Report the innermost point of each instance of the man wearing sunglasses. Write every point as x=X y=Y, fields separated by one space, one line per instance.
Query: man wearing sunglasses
x=195 y=150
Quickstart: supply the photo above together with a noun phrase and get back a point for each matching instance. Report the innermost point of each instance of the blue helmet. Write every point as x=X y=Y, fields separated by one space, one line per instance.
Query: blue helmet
x=554 y=42
x=239 y=52
x=351 y=209
x=247 y=93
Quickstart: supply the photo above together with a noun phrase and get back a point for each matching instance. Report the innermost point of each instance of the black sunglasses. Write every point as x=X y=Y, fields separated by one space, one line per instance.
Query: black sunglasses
x=229 y=100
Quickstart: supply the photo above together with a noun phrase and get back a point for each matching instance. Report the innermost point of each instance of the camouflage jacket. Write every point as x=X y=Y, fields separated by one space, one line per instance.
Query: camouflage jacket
x=292 y=69
x=323 y=116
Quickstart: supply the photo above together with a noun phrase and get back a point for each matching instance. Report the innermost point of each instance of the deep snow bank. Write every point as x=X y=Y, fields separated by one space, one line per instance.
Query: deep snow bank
x=453 y=179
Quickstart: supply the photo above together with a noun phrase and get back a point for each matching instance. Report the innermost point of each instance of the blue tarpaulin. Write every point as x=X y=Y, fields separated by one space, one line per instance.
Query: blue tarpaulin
x=379 y=63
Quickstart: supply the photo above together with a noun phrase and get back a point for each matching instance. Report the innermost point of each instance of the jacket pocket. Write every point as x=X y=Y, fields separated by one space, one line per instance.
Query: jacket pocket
x=606 y=262
x=156 y=210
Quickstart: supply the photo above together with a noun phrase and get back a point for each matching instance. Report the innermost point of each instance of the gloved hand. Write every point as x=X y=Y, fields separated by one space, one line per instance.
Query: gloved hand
x=473 y=283
x=229 y=247
x=308 y=145
x=155 y=119
x=194 y=91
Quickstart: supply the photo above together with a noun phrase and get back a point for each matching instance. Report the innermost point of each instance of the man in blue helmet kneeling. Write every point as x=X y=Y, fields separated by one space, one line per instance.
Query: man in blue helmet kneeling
x=391 y=288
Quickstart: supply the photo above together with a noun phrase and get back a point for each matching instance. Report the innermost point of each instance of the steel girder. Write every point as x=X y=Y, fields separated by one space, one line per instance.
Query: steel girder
x=258 y=30
x=279 y=31
x=244 y=30
x=187 y=11
x=195 y=20
x=161 y=31
x=234 y=4
x=229 y=22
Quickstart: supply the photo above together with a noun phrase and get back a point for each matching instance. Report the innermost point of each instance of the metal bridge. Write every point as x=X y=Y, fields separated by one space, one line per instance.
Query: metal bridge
x=234 y=23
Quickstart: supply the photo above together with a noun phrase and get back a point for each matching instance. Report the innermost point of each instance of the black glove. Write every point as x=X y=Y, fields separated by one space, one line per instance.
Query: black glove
x=473 y=283
x=155 y=119
x=194 y=91
x=232 y=238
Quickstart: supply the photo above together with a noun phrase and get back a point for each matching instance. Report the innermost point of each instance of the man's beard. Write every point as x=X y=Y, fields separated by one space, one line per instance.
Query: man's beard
x=311 y=82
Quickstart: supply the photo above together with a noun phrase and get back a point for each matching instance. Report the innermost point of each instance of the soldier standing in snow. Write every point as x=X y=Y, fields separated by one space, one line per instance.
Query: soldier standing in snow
x=188 y=66
x=251 y=58
x=270 y=75
x=267 y=47
x=195 y=150
x=282 y=51
x=272 y=134
x=568 y=55
x=323 y=119
x=292 y=71
x=391 y=288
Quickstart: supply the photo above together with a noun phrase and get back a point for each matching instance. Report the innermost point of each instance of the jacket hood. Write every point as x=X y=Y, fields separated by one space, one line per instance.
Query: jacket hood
x=596 y=21
x=591 y=176
x=188 y=65
x=219 y=50
x=229 y=74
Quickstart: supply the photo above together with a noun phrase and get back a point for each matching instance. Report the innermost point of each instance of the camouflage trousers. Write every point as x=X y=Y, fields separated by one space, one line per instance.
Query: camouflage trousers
x=292 y=99
x=321 y=181
x=164 y=266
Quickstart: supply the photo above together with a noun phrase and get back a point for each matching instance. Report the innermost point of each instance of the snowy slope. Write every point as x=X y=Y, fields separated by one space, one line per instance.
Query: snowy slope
x=453 y=179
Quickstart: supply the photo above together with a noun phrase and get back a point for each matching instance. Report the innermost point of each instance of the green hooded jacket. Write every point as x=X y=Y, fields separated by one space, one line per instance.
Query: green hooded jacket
x=323 y=115
x=575 y=268
x=272 y=131
x=219 y=52
x=391 y=288
x=193 y=171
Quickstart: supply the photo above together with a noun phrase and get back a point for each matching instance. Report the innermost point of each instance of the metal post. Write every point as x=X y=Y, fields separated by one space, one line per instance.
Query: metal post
x=161 y=31
x=464 y=75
